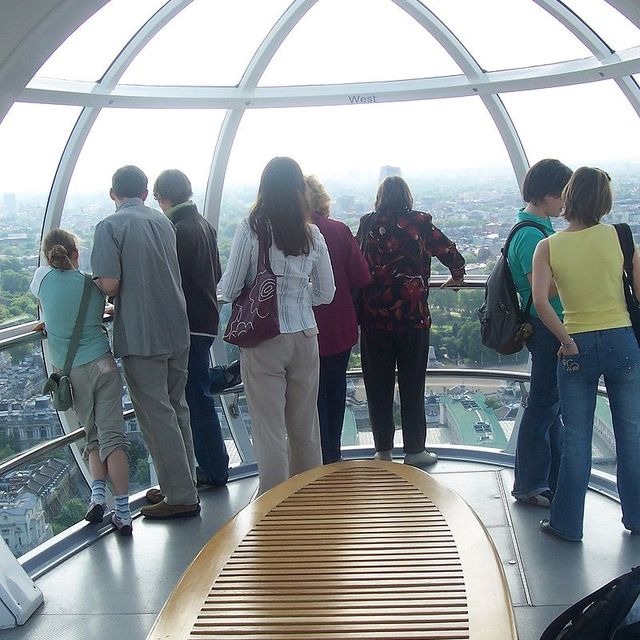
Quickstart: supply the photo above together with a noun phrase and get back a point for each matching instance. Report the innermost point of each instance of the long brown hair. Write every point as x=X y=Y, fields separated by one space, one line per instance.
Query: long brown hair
x=283 y=202
x=394 y=196
x=57 y=246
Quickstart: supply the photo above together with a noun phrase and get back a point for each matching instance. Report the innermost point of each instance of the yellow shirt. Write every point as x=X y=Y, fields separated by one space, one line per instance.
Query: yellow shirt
x=587 y=267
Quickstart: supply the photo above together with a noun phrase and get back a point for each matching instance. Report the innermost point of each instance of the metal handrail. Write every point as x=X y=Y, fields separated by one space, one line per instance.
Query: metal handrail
x=24 y=333
x=485 y=374
x=25 y=457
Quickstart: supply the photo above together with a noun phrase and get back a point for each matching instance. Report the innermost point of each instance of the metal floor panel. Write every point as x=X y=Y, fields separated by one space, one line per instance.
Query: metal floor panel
x=116 y=587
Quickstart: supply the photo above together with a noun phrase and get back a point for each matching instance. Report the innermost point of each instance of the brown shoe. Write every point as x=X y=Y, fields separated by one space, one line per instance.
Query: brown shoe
x=154 y=496
x=164 y=511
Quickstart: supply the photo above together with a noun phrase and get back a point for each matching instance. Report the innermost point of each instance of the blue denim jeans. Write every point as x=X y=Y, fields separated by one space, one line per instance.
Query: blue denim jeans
x=614 y=354
x=539 y=438
x=211 y=453
x=332 y=395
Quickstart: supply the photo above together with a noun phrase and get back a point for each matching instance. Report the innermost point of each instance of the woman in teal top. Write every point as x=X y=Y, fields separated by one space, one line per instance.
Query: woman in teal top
x=539 y=435
x=95 y=379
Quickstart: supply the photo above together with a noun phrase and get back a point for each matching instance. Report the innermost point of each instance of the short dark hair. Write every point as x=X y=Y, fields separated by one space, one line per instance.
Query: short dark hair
x=172 y=185
x=587 y=196
x=129 y=182
x=545 y=178
x=394 y=196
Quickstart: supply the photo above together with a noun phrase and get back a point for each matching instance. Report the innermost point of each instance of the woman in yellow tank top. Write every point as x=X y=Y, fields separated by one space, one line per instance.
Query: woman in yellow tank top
x=586 y=263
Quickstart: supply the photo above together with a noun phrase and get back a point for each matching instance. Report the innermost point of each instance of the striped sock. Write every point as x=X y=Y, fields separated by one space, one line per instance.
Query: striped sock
x=98 y=491
x=122 y=508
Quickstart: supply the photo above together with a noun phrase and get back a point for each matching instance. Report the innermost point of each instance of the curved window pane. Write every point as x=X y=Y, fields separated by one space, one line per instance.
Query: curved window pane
x=502 y=34
x=448 y=150
x=357 y=41
x=588 y=124
x=607 y=22
x=154 y=140
x=216 y=42
x=87 y=53
x=32 y=138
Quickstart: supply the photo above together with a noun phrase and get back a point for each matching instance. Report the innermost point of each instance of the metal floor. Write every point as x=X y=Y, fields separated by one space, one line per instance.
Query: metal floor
x=117 y=586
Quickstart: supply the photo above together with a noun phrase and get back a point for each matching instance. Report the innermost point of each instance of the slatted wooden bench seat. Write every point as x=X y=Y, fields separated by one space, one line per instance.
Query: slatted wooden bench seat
x=359 y=549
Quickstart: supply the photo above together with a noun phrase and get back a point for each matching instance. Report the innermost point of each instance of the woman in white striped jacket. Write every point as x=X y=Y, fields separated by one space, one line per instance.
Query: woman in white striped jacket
x=281 y=374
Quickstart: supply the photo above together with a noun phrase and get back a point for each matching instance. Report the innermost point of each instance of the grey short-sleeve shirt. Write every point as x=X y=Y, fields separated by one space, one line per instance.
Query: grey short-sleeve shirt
x=137 y=245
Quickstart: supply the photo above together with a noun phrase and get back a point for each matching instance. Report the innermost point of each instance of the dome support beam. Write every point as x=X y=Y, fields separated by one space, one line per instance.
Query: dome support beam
x=620 y=64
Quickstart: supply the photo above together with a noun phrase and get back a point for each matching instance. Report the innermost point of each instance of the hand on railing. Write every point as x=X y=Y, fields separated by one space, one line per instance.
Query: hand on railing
x=41 y=327
x=451 y=283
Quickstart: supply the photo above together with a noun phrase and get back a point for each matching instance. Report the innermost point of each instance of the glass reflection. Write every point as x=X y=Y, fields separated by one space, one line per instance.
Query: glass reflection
x=40 y=500
x=26 y=416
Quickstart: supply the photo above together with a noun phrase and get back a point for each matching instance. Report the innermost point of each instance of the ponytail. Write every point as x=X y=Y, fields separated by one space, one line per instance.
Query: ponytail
x=57 y=247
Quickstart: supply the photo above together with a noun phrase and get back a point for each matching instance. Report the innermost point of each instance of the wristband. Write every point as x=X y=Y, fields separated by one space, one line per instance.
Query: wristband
x=568 y=344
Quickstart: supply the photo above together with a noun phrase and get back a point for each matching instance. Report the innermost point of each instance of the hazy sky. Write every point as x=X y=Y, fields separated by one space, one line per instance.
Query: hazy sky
x=337 y=41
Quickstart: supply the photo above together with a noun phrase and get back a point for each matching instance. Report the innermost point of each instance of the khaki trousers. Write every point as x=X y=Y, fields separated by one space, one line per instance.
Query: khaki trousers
x=281 y=385
x=97 y=400
x=156 y=385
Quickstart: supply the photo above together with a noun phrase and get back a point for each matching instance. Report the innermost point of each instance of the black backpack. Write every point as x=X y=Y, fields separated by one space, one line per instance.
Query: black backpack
x=504 y=325
x=603 y=614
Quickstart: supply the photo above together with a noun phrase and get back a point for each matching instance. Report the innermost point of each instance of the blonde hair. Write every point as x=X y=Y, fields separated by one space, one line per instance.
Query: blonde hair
x=57 y=246
x=319 y=199
x=587 y=196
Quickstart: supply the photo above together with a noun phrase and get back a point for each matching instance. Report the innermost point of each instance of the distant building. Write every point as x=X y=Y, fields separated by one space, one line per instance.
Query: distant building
x=387 y=171
x=9 y=206
x=23 y=525
x=29 y=500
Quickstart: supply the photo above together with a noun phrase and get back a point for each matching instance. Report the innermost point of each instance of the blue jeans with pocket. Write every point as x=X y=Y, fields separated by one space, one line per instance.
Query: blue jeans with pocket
x=613 y=354
x=211 y=453
x=539 y=437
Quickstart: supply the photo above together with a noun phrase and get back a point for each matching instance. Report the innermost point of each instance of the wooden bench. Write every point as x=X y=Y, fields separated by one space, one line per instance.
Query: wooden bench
x=359 y=549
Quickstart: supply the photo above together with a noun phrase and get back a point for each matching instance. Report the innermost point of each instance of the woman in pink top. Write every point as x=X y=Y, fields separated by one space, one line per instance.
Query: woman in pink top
x=337 y=322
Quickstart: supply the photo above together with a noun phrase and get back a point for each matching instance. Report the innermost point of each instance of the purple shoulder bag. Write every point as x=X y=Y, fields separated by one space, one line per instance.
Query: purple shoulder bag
x=254 y=313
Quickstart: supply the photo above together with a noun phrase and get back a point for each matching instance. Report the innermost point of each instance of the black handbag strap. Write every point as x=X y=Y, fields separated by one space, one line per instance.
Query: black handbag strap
x=77 y=329
x=505 y=251
x=625 y=238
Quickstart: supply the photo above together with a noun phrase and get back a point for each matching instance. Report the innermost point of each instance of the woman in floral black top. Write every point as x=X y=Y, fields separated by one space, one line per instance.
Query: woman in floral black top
x=395 y=315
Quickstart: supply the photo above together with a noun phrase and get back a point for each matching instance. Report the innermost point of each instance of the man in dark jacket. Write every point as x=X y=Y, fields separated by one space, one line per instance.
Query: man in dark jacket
x=200 y=270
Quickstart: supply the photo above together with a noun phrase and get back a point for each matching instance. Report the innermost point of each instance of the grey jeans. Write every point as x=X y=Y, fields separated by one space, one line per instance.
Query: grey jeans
x=156 y=385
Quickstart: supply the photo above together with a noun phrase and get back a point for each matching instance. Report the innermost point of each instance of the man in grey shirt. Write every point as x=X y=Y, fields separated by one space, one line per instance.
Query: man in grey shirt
x=134 y=260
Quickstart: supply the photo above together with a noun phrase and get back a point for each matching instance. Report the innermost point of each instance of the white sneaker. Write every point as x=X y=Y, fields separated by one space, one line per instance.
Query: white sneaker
x=422 y=459
x=387 y=456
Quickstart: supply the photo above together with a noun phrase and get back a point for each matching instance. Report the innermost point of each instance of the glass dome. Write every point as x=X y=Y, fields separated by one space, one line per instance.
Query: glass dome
x=461 y=97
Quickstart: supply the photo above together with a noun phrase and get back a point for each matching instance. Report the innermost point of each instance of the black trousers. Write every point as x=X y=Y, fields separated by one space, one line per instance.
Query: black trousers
x=382 y=351
x=332 y=394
